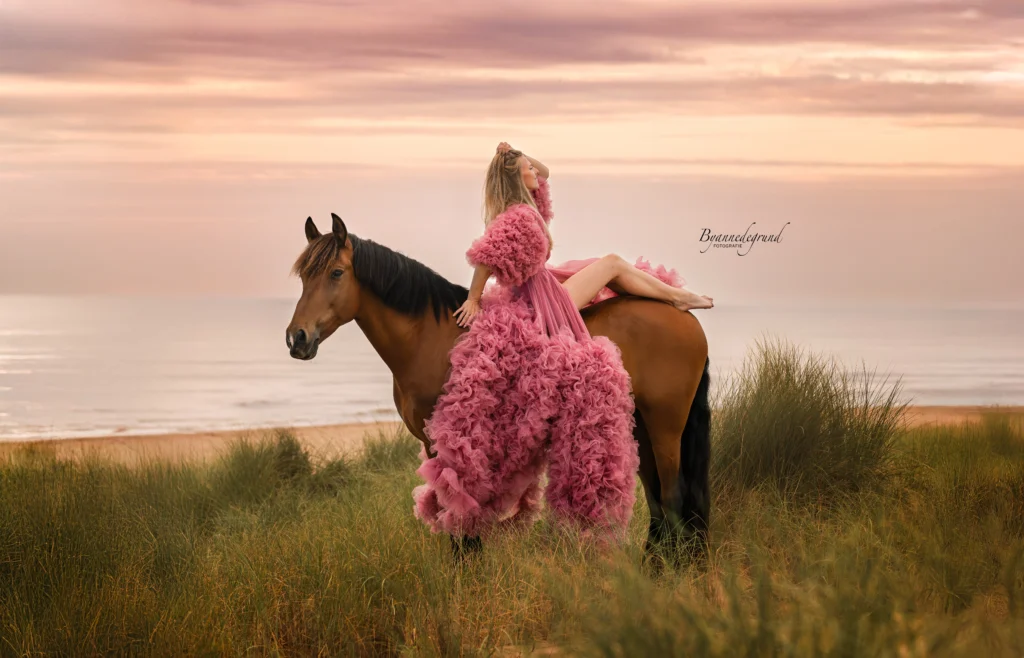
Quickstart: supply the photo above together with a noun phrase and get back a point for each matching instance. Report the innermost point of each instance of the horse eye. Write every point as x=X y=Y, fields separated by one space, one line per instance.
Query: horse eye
x=336 y=274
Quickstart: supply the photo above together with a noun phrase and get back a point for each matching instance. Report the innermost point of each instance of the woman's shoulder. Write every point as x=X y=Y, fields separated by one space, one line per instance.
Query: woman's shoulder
x=516 y=213
x=514 y=246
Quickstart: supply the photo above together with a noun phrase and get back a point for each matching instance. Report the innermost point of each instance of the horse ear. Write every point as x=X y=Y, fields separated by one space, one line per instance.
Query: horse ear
x=339 y=229
x=311 y=231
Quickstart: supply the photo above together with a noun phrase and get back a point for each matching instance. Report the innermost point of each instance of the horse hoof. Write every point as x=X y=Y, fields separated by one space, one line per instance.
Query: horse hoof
x=464 y=546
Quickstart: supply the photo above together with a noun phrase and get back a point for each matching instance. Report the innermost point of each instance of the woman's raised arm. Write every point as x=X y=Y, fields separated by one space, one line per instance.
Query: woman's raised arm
x=539 y=166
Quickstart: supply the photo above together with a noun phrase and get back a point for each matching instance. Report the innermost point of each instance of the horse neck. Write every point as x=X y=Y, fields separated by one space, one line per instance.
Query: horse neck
x=403 y=341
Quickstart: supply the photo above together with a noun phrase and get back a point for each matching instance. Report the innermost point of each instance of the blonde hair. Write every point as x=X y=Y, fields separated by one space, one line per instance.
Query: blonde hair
x=504 y=187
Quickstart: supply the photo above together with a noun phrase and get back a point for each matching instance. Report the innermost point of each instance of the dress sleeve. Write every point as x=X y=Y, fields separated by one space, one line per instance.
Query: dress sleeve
x=514 y=245
x=542 y=197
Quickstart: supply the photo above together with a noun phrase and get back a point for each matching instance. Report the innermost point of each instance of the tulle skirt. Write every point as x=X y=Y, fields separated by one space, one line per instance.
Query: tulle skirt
x=563 y=271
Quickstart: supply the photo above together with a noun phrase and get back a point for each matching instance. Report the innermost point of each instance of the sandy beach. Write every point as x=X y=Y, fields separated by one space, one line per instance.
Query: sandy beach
x=324 y=441
x=332 y=440
x=941 y=415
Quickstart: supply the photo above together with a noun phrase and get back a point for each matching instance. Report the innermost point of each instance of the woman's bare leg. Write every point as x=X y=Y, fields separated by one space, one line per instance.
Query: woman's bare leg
x=613 y=271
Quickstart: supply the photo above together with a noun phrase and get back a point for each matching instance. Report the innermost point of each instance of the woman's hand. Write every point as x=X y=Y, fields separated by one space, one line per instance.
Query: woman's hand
x=464 y=315
x=504 y=147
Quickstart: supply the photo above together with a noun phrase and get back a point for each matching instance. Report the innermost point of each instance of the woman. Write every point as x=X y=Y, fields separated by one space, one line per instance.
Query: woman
x=588 y=281
x=529 y=388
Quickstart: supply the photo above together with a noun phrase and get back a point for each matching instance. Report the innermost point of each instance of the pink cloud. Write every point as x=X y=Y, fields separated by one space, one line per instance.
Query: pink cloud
x=316 y=36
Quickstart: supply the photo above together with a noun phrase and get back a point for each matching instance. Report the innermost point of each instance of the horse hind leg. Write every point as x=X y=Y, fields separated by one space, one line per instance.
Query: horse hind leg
x=656 y=529
x=681 y=444
x=665 y=425
x=695 y=453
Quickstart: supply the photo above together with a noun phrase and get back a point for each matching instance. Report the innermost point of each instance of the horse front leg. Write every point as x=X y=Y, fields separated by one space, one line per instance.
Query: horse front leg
x=414 y=413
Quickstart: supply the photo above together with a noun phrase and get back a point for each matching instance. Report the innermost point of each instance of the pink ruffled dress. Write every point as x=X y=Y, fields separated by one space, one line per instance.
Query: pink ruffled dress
x=529 y=389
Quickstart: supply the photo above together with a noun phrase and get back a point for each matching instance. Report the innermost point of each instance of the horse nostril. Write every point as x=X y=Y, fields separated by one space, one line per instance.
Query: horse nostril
x=300 y=337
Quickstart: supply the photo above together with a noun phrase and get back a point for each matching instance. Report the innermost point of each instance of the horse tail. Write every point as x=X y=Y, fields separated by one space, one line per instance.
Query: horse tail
x=695 y=454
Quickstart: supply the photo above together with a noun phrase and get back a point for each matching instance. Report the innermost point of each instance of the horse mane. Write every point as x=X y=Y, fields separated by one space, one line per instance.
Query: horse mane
x=402 y=283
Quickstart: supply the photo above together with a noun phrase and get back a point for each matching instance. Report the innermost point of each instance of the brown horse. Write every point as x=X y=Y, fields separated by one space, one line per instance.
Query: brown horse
x=405 y=310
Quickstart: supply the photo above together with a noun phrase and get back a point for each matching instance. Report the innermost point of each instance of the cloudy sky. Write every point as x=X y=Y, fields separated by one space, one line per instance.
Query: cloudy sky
x=176 y=146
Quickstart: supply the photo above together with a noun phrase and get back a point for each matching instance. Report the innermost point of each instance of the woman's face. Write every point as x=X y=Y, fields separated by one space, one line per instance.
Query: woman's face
x=529 y=173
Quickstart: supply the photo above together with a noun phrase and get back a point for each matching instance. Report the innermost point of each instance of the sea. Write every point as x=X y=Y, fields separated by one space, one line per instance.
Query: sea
x=87 y=366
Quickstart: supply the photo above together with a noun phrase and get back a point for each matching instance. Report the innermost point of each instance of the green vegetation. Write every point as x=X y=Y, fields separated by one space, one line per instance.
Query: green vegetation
x=836 y=531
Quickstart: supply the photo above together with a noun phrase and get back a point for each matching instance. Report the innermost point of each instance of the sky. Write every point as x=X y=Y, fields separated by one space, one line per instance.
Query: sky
x=175 y=147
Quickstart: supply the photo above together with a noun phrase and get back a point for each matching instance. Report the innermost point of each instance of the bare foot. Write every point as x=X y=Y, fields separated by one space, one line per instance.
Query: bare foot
x=688 y=300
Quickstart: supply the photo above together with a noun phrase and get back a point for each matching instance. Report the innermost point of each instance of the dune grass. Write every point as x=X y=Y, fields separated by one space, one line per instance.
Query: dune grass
x=805 y=425
x=835 y=531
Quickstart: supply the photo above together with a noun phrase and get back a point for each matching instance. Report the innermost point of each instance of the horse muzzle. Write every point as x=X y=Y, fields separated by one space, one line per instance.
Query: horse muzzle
x=301 y=345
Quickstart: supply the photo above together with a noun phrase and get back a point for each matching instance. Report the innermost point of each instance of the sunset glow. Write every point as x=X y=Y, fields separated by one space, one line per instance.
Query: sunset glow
x=799 y=92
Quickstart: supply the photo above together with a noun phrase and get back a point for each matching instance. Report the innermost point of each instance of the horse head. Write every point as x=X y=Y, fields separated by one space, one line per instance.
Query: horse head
x=330 y=292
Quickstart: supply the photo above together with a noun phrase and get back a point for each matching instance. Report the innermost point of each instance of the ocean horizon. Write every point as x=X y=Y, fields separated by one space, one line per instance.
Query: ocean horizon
x=98 y=365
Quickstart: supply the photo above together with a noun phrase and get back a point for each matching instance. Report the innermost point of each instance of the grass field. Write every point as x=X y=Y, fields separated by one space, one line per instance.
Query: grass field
x=835 y=531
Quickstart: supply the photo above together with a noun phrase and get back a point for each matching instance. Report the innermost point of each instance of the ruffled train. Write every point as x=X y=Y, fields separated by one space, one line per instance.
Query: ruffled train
x=518 y=401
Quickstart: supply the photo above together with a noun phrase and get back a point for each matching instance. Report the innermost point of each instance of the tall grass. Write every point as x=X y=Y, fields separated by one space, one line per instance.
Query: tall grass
x=804 y=424
x=270 y=551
